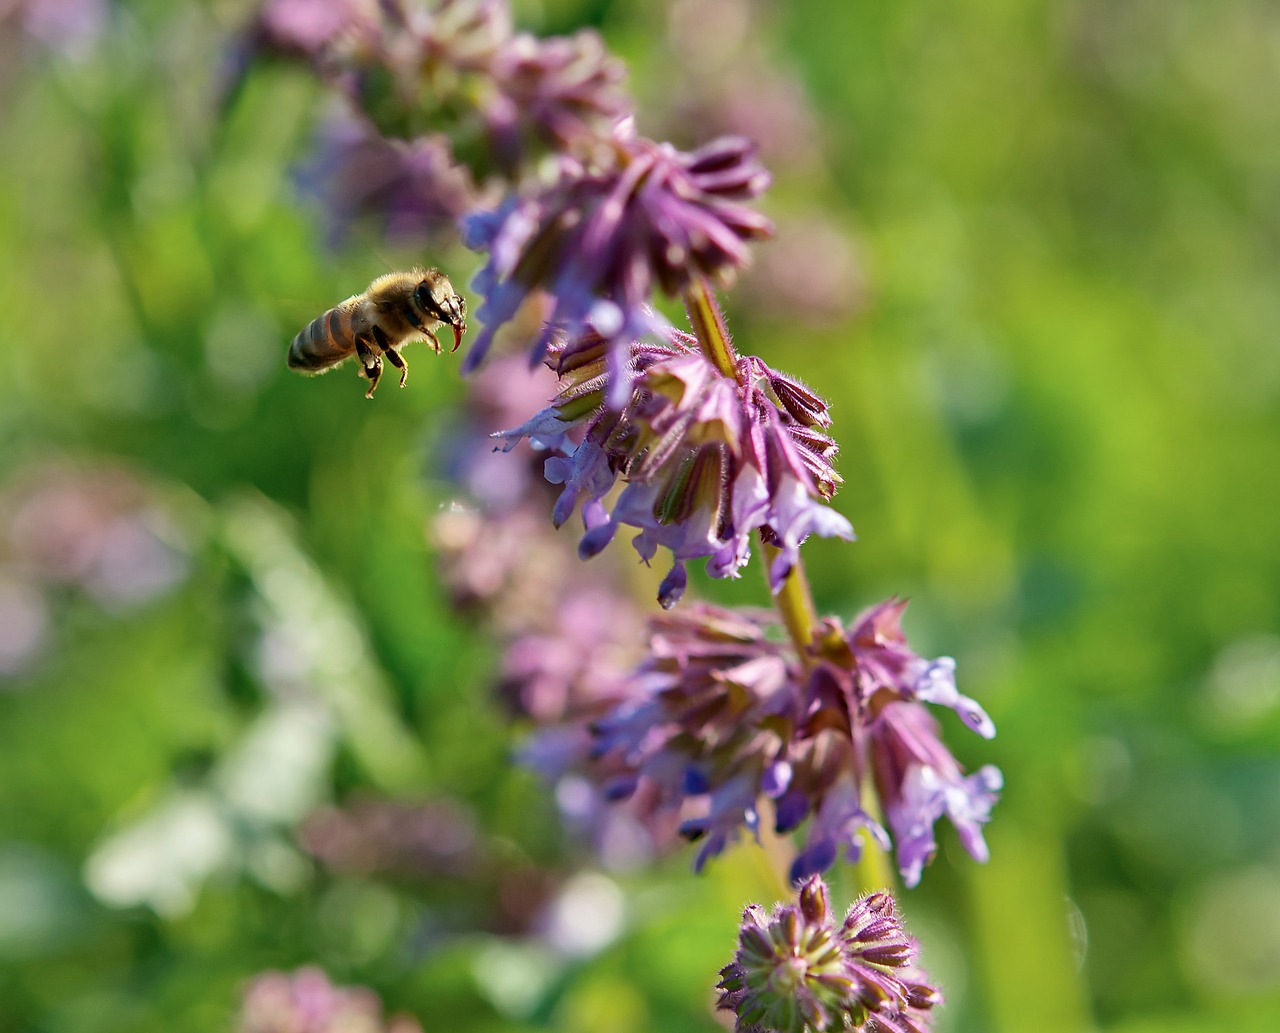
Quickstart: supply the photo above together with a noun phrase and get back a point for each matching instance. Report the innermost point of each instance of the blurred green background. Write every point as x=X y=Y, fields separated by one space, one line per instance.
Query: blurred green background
x=1029 y=251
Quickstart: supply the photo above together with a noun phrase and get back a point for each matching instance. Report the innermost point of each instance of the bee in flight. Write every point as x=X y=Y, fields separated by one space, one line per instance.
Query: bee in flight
x=396 y=309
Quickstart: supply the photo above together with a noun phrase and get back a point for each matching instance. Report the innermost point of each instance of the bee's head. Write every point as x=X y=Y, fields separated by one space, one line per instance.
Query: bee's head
x=436 y=299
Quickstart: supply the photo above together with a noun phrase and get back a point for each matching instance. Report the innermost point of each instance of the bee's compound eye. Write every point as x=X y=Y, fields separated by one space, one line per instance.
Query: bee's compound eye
x=422 y=297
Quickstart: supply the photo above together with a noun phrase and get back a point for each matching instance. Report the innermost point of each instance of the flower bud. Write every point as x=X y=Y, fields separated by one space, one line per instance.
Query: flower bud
x=797 y=972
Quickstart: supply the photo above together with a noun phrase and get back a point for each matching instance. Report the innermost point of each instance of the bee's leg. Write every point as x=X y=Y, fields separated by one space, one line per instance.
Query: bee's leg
x=372 y=374
x=393 y=356
x=435 y=341
x=397 y=360
x=370 y=364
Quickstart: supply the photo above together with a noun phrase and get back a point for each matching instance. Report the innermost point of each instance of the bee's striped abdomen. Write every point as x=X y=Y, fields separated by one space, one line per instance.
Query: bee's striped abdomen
x=327 y=339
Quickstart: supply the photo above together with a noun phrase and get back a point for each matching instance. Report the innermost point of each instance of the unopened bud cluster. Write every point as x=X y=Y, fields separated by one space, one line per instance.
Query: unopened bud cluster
x=796 y=970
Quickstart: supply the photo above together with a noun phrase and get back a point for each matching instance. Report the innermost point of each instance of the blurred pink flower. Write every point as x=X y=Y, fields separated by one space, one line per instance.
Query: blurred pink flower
x=100 y=529
x=306 y=1001
x=69 y=27
x=434 y=837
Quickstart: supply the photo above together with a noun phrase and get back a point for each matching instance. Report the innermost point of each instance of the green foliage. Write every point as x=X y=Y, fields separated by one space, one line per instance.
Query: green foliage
x=1059 y=411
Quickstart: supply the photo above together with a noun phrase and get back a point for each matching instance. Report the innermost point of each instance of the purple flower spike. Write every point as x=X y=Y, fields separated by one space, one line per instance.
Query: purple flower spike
x=601 y=240
x=708 y=459
x=454 y=69
x=559 y=91
x=796 y=971
x=412 y=188
x=722 y=718
x=703 y=718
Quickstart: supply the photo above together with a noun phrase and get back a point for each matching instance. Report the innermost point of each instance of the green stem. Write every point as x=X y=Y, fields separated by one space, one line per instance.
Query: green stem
x=708 y=327
x=795 y=603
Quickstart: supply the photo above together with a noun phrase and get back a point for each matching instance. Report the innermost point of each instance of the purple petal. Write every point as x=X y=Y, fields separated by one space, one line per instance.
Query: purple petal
x=673 y=585
x=790 y=810
x=813 y=860
x=936 y=683
x=775 y=779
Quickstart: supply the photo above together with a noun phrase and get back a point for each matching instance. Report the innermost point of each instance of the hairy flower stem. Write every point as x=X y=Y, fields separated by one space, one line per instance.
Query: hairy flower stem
x=795 y=604
x=708 y=326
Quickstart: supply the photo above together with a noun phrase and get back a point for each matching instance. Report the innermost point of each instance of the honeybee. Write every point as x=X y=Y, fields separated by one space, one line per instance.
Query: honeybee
x=396 y=309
